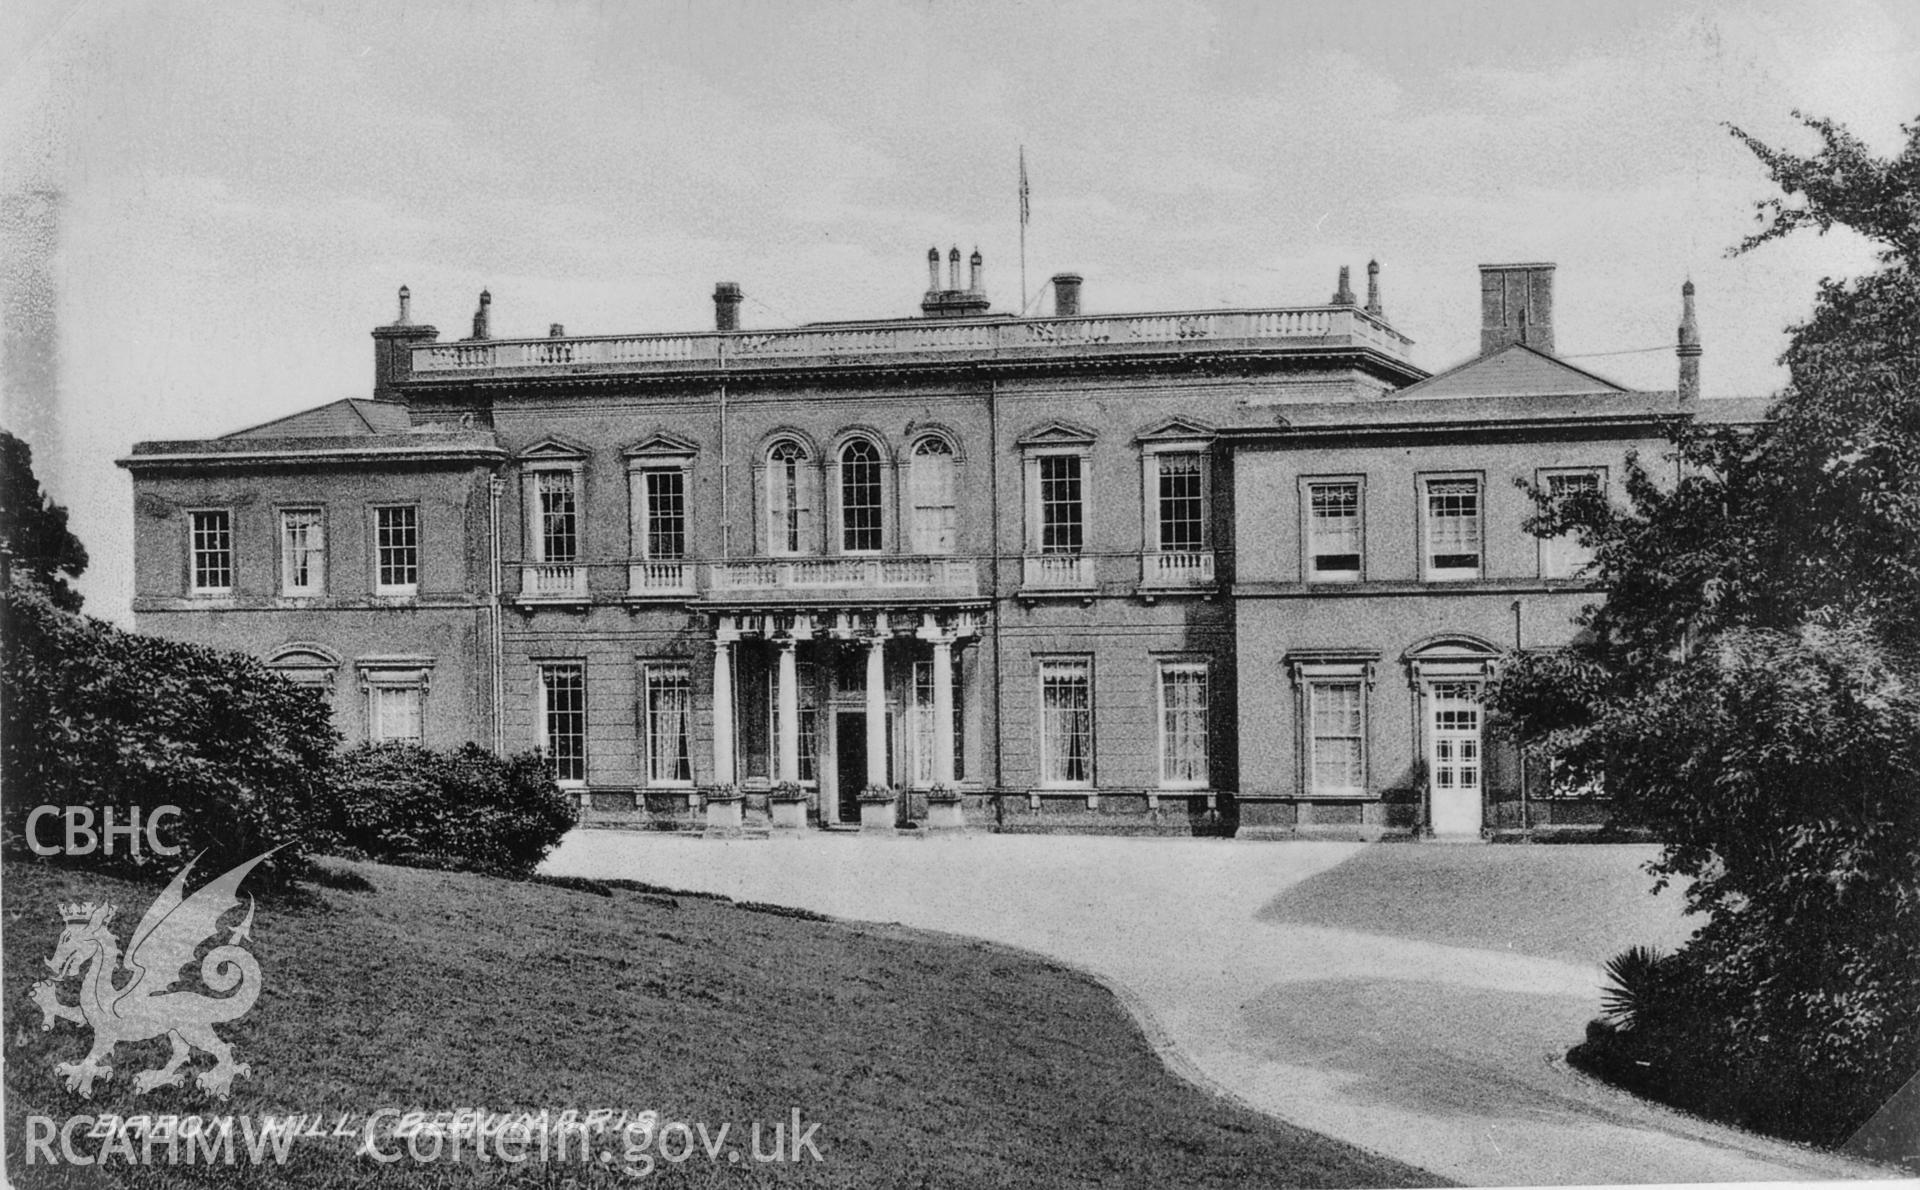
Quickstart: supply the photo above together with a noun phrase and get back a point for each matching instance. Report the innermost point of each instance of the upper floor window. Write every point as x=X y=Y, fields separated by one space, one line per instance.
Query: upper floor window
x=396 y=534
x=860 y=498
x=662 y=495
x=1564 y=556
x=1333 y=531
x=1181 y=501
x=931 y=480
x=211 y=565
x=303 y=552
x=556 y=529
x=1452 y=534
x=1183 y=724
x=1061 y=509
x=561 y=716
x=789 y=511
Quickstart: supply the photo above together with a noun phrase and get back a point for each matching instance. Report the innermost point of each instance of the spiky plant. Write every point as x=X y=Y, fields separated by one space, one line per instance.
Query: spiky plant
x=1635 y=991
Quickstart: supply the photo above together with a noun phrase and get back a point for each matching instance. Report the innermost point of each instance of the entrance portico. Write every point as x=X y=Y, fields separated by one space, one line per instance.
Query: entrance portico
x=834 y=702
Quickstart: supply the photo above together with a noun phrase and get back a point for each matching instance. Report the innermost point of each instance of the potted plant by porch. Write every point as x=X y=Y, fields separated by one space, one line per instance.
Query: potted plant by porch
x=724 y=804
x=876 y=808
x=944 y=808
x=788 y=803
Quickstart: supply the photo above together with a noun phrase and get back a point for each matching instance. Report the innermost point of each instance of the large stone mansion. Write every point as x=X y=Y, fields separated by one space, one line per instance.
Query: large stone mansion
x=1220 y=571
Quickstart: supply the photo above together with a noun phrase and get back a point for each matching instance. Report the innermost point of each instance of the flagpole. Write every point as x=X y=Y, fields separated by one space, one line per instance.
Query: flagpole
x=1023 y=231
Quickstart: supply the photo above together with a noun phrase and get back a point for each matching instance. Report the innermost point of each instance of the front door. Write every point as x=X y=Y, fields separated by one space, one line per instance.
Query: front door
x=850 y=761
x=1454 y=754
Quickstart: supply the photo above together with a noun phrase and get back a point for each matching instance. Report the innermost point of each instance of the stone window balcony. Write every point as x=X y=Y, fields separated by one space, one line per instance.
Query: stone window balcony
x=553 y=582
x=659 y=578
x=906 y=575
x=1176 y=570
x=1072 y=573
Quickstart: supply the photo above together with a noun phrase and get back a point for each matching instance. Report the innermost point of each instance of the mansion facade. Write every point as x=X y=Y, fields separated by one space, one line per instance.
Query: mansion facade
x=1219 y=571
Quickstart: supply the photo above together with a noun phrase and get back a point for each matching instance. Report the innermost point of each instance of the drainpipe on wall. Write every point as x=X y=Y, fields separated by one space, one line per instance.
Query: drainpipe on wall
x=496 y=642
x=993 y=608
x=1526 y=808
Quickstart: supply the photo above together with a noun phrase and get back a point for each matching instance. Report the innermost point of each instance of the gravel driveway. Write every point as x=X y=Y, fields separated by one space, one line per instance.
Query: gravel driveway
x=1410 y=999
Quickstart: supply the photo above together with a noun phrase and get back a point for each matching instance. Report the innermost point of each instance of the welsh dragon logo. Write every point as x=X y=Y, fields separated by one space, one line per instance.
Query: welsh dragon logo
x=145 y=1005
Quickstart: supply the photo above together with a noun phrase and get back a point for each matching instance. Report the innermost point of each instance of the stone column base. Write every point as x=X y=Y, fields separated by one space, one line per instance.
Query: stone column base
x=788 y=815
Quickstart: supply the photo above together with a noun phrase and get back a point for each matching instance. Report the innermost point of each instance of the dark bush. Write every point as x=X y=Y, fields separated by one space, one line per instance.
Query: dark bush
x=464 y=809
x=94 y=716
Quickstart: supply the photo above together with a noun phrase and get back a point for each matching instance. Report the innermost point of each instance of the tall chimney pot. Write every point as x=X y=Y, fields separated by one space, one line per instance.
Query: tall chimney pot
x=726 y=306
x=1343 y=296
x=482 y=317
x=1689 y=347
x=933 y=270
x=1066 y=295
x=1516 y=306
x=1373 y=289
x=953 y=268
x=406 y=307
x=975 y=284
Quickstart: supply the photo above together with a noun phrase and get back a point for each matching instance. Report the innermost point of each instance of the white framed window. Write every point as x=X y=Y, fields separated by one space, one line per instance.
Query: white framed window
x=1563 y=556
x=668 y=694
x=1451 y=527
x=210 y=550
x=1335 y=532
x=931 y=485
x=1336 y=737
x=861 y=499
x=1066 y=722
x=561 y=718
x=807 y=702
x=393 y=713
x=1180 y=501
x=1183 y=725
x=303 y=552
x=660 y=525
x=554 y=529
x=1059 y=503
x=923 y=723
x=396 y=540
x=789 y=503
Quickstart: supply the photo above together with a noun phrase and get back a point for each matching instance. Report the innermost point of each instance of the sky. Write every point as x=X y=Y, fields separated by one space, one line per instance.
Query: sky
x=204 y=208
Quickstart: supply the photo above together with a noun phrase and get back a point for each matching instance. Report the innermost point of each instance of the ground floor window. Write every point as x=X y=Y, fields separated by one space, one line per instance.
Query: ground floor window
x=1183 y=724
x=562 y=714
x=1337 y=739
x=923 y=723
x=807 y=677
x=1066 y=722
x=393 y=713
x=669 y=712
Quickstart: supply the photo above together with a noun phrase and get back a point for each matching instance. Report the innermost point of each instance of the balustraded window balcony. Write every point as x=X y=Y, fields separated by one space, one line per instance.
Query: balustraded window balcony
x=1176 y=570
x=904 y=574
x=553 y=582
x=659 y=579
x=1058 y=572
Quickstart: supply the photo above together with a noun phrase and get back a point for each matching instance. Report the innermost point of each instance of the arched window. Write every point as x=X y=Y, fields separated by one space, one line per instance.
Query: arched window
x=931 y=481
x=788 y=508
x=860 y=497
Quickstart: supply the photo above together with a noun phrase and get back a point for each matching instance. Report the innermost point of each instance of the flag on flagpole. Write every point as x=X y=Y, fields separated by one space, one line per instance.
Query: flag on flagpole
x=1026 y=206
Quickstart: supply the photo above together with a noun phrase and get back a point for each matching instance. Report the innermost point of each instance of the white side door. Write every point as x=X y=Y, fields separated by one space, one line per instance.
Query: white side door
x=1454 y=758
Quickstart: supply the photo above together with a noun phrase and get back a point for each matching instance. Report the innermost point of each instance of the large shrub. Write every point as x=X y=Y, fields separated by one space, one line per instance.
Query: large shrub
x=465 y=808
x=94 y=716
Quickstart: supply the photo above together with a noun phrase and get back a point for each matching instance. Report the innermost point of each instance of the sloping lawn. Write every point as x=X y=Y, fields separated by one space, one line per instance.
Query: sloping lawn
x=924 y=1060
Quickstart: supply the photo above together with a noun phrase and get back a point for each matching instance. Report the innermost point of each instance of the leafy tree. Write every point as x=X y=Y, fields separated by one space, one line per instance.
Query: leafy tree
x=1750 y=687
x=33 y=529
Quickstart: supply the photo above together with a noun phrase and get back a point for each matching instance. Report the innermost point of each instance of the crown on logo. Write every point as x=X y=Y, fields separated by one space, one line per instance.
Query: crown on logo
x=81 y=913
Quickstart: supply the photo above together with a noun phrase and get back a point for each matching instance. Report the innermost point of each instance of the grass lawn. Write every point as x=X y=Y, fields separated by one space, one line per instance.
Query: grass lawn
x=925 y=1060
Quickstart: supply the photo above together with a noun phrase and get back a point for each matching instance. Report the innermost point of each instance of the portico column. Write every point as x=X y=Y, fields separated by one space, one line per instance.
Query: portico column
x=942 y=711
x=788 y=704
x=722 y=712
x=876 y=711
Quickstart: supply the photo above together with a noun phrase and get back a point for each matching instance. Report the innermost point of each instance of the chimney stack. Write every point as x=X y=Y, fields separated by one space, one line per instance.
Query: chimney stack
x=953 y=269
x=1066 y=295
x=1373 y=289
x=933 y=270
x=1516 y=306
x=1689 y=348
x=726 y=306
x=480 y=317
x=975 y=283
x=952 y=301
x=556 y=331
x=1343 y=296
x=393 y=348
